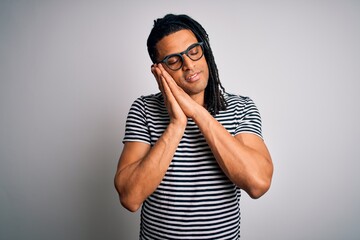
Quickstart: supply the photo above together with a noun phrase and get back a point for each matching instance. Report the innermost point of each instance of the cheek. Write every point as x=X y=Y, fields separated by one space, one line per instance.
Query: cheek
x=205 y=69
x=177 y=76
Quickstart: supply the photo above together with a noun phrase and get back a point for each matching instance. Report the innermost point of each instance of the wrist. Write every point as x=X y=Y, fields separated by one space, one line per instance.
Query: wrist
x=177 y=126
x=199 y=114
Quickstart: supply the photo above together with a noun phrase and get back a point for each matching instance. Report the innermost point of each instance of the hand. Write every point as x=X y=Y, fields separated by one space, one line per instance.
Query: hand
x=176 y=114
x=187 y=104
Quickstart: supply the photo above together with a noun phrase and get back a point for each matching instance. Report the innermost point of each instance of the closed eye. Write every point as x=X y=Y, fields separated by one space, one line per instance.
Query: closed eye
x=173 y=60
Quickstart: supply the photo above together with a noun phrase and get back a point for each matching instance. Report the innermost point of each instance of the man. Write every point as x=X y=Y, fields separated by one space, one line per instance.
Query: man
x=189 y=149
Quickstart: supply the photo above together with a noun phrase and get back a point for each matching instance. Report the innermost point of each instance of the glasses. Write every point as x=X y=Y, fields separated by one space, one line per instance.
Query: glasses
x=176 y=61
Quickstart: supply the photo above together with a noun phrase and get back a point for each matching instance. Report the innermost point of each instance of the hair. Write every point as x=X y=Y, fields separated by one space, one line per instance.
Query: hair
x=170 y=23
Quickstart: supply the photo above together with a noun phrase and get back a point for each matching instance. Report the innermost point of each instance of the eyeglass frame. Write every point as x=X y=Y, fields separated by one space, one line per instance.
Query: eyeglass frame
x=186 y=52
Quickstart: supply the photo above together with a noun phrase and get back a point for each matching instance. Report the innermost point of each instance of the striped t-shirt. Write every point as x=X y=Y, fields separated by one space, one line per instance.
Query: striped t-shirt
x=195 y=199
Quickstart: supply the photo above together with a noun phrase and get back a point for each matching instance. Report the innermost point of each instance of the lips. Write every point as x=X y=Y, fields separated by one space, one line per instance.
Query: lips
x=193 y=77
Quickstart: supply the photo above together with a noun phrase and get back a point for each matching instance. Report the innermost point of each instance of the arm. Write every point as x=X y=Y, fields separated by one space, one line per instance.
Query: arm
x=244 y=158
x=141 y=167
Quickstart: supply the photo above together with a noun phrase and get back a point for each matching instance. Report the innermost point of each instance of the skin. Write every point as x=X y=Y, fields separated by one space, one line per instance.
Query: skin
x=244 y=158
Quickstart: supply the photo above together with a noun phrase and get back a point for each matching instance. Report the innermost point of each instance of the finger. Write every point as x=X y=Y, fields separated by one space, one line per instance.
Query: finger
x=161 y=81
x=169 y=79
x=157 y=73
x=154 y=72
x=164 y=72
x=166 y=87
x=166 y=90
x=175 y=88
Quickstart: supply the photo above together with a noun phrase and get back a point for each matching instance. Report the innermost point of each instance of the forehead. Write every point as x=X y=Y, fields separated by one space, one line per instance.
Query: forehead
x=175 y=42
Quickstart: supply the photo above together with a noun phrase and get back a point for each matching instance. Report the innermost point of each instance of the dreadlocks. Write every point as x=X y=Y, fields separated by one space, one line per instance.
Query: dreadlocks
x=214 y=99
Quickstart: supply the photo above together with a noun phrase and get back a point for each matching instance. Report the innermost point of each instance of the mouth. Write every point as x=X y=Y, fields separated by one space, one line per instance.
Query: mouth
x=193 y=77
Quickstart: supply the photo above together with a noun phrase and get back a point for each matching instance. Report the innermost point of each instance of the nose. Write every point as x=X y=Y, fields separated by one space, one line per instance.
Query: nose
x=188 y=63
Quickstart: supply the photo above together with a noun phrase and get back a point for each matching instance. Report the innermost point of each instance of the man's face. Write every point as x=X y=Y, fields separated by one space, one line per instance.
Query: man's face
x=193 y=76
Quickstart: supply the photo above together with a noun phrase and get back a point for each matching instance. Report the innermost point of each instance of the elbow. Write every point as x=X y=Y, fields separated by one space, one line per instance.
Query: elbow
x=260 y=184
x=129 y=205
x=125 y=200
x=259 y=190
x=259 y=187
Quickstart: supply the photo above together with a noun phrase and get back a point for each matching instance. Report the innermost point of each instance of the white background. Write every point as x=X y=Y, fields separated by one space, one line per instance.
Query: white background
x=69 y=71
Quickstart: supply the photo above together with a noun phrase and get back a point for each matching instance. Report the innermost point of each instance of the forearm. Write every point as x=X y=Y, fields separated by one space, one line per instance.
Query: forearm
x=136 y=181
x=248 y=168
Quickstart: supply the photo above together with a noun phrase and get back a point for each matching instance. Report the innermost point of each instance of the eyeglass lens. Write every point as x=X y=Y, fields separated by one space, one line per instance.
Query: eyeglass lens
x=175 y=61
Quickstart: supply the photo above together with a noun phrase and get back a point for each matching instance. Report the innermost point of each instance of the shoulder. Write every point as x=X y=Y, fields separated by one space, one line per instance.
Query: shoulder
x=149 y=101
x=236 y=100
x=239 y=105
x=247 y=115
x=151 y=98
x=149 y=105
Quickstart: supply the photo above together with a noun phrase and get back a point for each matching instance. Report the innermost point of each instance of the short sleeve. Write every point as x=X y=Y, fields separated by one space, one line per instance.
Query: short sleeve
x=249 y=119
x=136 y=129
